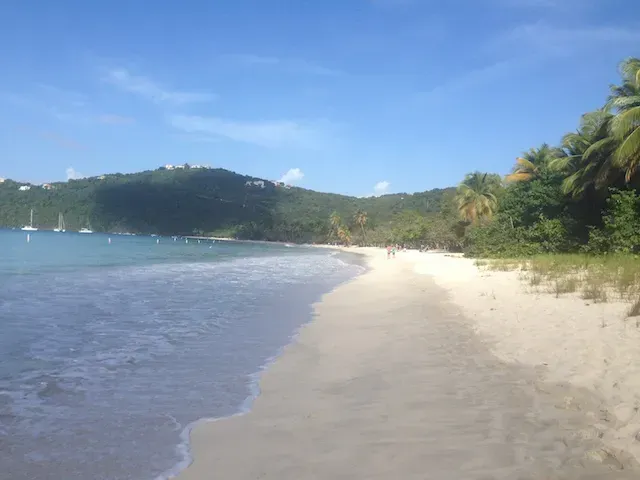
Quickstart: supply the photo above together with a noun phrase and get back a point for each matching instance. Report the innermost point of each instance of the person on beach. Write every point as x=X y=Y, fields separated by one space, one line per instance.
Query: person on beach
x=393 y=252
x=388 y=252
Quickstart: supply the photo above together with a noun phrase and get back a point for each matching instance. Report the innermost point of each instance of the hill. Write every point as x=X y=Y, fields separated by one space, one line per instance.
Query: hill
x=199 y=201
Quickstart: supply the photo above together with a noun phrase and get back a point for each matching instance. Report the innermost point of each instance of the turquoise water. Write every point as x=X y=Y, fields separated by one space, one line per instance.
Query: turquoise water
x=68 y=251
x=109 y=351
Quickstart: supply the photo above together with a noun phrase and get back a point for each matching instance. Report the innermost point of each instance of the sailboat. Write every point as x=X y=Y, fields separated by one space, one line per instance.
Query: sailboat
x=30 y=227
x=60 y=224
x=86 y=229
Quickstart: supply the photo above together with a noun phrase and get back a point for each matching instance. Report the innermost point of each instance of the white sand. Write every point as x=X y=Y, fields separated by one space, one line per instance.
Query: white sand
x=390 y=382
x=588 y=345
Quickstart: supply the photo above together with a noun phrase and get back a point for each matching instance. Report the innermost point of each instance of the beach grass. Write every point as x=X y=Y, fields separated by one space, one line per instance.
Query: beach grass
x=598 y=279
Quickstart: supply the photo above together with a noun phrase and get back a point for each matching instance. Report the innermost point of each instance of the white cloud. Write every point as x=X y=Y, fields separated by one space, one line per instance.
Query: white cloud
x=527 y=46
x=152 y=91
x=72 y=174
x=381 y=188
x=545 y=40
x=470 y=79
x=271 y=134
x=65 y=106
x=292 y=176
x=291 y=65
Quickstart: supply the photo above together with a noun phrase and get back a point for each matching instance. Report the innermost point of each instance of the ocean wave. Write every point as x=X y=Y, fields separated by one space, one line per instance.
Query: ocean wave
x=116 y=345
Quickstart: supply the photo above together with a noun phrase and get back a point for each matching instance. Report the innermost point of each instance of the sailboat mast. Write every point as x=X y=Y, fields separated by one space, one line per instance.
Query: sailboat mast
x=31 y=220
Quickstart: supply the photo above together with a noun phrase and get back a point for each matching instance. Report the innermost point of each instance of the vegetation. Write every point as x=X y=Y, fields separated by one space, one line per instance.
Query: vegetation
x=579 y=196
x=476 y=197
x=597 y=279
x=216 y=202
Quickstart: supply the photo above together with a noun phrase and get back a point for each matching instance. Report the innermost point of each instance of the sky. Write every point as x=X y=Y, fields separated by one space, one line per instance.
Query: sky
x=359 y=97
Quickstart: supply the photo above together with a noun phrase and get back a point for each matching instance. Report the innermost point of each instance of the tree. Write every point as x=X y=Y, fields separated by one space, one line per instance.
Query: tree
x=336 y=222
x=532 y=163
x=621 y=231
x=586 y=155
x=361 y=220
x=476 y=196
x=344 y=235
x=625 y=127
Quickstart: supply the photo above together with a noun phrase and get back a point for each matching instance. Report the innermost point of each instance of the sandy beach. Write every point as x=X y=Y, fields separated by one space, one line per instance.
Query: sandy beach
x=567 y=339
x=426 y=367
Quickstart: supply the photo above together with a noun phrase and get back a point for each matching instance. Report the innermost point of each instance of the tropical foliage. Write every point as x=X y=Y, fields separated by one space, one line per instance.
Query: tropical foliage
x=476 y=196
x=579 y=196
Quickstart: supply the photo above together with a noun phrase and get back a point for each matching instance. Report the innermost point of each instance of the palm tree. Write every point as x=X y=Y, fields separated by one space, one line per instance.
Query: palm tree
x=361 y=219
x=586 y=158
x=625 y=127
x=532 y=163
x=476 y=196
x=344 y=235
x=335 y=221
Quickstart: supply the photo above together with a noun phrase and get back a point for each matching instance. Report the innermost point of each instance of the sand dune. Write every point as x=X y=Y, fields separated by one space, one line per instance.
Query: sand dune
x=390 y=381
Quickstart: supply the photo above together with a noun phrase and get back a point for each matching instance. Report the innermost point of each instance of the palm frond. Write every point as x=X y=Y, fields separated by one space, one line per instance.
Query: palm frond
x=625 y=122
x=628 y=153
x=561 y=164
x=601 y=147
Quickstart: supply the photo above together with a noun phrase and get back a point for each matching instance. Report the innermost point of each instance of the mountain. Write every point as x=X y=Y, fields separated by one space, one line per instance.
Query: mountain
x=199 y=201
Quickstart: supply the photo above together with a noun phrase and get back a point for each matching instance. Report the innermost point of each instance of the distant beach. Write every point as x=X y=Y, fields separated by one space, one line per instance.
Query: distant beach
x=427 y=367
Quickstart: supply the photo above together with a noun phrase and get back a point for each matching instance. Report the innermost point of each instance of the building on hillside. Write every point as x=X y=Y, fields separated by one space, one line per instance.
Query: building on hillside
x=254 y=183
x=168 y=167
x=102 y=177
x=2 y=179
x=24 y=188
x=47 y=186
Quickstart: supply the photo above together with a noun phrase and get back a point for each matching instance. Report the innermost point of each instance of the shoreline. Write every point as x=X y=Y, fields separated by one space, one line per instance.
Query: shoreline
x=273 y=412
x=184 y=448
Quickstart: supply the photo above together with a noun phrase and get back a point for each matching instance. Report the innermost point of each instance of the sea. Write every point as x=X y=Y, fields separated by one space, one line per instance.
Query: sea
x=113 y=346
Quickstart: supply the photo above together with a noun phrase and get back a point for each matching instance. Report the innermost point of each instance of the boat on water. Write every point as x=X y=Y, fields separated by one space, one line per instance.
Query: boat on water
x=61 y=226
x=30 y=227
x=85 y=230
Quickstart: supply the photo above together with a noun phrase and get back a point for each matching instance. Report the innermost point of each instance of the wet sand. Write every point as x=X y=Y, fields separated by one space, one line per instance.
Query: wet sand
x=390 y=381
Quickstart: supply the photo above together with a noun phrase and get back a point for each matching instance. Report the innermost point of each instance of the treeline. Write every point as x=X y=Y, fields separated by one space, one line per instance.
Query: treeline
x=578 y=196
x=207 y=202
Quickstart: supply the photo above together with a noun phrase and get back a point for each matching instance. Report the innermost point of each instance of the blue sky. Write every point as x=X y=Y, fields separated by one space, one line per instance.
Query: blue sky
x=349 y=96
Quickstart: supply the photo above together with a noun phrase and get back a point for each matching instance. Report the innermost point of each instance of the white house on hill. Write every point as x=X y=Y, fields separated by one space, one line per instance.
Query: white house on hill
x=24 y=188
x=256 y=183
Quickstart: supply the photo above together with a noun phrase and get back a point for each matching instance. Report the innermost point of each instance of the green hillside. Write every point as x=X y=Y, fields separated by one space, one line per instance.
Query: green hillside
x=201 y=201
